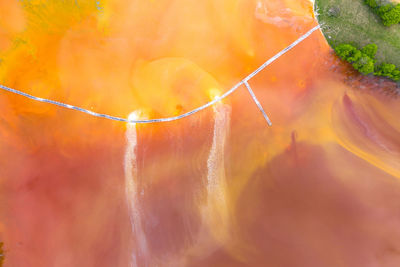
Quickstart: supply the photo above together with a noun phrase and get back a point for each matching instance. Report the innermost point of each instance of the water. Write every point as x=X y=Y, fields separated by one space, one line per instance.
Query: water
x=221 y=188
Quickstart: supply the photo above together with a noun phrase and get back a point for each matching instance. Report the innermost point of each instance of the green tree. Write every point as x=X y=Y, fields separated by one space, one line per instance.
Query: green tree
x=371 y=3
x=370 y=50
x=384 y=69
x=388 y=12
x=363 y=61
x=364 y=65
x=391 y=16
x=388 y=70
x=381 y=10
x=348 y=52
x=355 y=56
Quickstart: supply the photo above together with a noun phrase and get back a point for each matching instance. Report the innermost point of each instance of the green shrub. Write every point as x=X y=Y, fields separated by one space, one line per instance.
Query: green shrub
x=370 y=50
x=389 y=13
x=388 y=70
x=385 y=69
x=391 y=16
x=348 y=52
x=363 y=61
x=382 y=10
x=355 y=56
x=371 y=3
x=364 y=65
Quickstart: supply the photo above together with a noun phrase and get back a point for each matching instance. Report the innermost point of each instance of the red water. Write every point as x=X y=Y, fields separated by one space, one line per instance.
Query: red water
x=318 y=188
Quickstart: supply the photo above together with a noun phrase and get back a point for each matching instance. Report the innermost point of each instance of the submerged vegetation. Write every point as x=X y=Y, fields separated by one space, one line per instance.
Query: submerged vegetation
x=364 y=61
x=387 y=11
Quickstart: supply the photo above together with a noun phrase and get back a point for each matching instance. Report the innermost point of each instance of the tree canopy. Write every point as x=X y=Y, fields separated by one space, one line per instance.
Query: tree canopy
x=388 y=70
x=364 y=60
x=388 y=12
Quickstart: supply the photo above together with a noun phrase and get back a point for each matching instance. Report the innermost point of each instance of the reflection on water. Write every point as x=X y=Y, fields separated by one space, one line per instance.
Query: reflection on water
x=318 y=188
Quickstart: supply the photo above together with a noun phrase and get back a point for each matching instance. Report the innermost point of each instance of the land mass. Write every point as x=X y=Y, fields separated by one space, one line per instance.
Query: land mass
x=353 y=22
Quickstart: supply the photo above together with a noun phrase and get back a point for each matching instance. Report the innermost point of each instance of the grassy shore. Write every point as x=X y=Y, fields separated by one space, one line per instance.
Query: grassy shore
x=352 y=21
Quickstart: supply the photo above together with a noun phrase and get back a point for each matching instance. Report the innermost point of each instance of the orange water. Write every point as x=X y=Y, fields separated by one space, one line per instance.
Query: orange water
x=318 y=188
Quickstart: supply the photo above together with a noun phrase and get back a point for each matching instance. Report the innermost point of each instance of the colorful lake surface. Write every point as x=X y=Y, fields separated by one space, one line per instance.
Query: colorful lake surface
x=219 y=188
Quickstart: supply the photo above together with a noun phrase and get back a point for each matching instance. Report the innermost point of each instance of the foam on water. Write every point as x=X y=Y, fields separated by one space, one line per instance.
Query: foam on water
x=216 y=211
x=140 y=250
